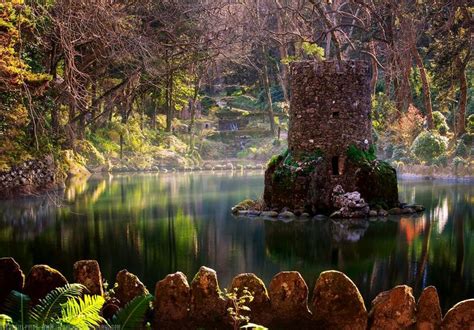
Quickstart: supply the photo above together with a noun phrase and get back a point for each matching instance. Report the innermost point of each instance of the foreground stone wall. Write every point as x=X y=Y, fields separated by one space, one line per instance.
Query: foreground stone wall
x=334 y=304
x=28 y=178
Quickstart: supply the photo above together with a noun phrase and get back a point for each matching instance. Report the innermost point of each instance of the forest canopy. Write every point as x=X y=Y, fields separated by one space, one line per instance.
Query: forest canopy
x=112 y=80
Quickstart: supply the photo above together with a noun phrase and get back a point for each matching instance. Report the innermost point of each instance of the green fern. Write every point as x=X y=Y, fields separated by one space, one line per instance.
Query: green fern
x=6 y=322
x=16 y=306
x=82 y=313
x=50 y=307
x=132 y=315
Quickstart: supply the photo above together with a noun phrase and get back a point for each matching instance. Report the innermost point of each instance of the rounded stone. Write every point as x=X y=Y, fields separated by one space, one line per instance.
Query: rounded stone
x=87 y=273
x=172 y=300
x=286 y=214
x=270 y=214
x=393 y=309
x=337 y=303
x=289 y=298
x=128 y=287
x=428 y=311
x=41 y=280
x=208 y=308
x=460 y=316
x=260 y=312
x=11 y=277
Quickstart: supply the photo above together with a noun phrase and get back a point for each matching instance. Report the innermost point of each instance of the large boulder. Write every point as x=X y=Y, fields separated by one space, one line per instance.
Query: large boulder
x=172 y=301
x=393 y=309
x=208 y=308
x=41 y=280
x=260 y=308
x=428 y=311
x=337 y=303
x=129 y=287
x=11 y=277
x=289 y=299
x=87 y=273
x=460 y=316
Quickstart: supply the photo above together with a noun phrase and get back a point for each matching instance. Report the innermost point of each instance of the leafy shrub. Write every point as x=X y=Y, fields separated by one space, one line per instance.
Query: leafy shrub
x=359 y=155
x=427 y=146
x=443 y=129
x=243 y=102
x=470 y=123
x=458 y=161
x=468 y=138
x=441 y=161
x=461 y=149
x=439 y=119
x=207 y=103
x=399 y=152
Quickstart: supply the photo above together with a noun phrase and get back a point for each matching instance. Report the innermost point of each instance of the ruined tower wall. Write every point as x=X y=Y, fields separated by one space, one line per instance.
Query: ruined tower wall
x=330 y=107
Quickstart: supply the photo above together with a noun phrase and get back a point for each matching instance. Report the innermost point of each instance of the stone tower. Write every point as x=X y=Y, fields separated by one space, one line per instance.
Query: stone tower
x=329 y=113
x=330 y=109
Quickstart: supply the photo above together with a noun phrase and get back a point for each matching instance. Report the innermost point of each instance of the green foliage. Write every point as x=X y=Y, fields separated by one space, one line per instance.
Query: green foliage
x=438 y=119
x=288 y=166
x=50 y=306
x=6 y=322
x=82 y=313
x=17 y=305
x=244 y=102
x=470 y=124
x=440 y=123
x=239 y=308
x=207 y=103
x=357 y=155
x=309 y=49
x=63 y=307
x=313 y=50
x=14 y=71
x=461 y=149
x=441 y=161
x=427 y=146
x=132 y=315
x=459 y=161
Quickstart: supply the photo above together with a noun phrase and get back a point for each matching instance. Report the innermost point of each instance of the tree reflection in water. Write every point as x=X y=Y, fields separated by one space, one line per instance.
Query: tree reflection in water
x=155 y=224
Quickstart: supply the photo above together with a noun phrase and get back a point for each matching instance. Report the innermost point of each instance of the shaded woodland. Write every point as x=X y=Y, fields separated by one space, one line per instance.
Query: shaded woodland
x=109 y=79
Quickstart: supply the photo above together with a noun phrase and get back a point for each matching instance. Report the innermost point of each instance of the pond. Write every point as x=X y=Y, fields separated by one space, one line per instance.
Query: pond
x=156 y=224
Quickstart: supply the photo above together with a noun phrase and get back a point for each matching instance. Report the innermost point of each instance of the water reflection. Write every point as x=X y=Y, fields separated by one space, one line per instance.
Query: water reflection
x=155 y=224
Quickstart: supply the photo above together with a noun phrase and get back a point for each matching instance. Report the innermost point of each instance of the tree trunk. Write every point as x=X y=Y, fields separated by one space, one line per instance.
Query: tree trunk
x=375 y=69
x=426 y=86
x=197 y=87
x=169 y=103
x=266 y=86
x=282 y=47
x=461 y=122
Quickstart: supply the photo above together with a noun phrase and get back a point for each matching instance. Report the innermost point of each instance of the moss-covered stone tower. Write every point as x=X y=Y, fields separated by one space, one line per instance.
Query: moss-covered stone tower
x=329 y=140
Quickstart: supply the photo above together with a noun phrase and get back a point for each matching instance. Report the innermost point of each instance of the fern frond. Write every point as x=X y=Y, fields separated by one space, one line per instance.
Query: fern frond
x=16 y=306
x=49 y=307
x=132 y=315
x=82 y=313
x=6 y=322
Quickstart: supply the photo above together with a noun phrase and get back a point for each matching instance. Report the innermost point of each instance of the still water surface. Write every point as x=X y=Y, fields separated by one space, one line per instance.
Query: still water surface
x=156 y=224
